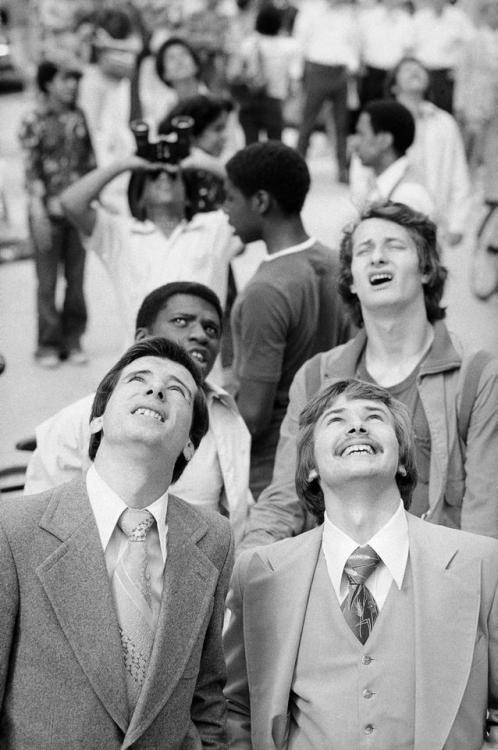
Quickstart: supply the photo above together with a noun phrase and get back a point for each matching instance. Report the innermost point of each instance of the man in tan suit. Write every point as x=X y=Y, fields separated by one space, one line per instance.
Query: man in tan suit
x=375 y=629
x=112 y=589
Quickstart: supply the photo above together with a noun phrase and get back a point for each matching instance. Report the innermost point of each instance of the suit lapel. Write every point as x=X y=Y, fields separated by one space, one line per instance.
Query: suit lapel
x=277 y=599
x=446 y=606
x=75 y=580
x=189 y=583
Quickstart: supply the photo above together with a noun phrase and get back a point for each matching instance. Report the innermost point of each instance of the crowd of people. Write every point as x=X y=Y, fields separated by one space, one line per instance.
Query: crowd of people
x=322 y=423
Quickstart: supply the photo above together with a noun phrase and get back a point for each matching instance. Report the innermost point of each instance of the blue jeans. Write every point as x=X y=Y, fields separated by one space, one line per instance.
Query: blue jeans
x=60 y=331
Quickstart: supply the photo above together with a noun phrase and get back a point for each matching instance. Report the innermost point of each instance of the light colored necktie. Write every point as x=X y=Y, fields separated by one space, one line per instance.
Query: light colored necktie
x=133 y=599
x=359 y=607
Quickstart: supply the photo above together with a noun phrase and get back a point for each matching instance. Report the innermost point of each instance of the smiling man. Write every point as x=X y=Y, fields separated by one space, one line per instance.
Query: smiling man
x=375 y=629
x=190 y=315
x=392 y=280
x=112 y=587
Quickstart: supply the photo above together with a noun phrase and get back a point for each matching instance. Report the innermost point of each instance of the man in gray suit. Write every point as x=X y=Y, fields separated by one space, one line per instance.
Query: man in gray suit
x=375 y=629
x=112 y=589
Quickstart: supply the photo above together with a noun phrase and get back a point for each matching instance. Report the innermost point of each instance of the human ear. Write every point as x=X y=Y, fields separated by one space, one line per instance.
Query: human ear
x=189 y=450
x=96 y=425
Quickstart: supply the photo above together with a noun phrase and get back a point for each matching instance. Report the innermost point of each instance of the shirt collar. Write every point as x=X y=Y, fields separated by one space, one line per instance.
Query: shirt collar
x=107 y=507
x=388 y=179
x=289 y=250
x=216 y=393
x=390 y=543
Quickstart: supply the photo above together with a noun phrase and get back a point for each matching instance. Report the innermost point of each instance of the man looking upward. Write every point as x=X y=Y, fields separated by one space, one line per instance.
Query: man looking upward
x=112 y=588
x=343 y=637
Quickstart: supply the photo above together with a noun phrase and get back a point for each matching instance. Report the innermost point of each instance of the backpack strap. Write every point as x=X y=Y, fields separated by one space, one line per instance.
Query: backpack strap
x=469 y=391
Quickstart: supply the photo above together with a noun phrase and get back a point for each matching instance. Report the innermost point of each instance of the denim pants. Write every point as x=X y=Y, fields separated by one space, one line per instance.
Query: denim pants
x=60 y=331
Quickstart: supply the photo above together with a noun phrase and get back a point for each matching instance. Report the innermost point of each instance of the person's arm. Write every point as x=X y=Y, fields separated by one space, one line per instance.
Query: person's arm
x=199 y=159
x=76 y=200
x=491 y=742
x=279 y=513
x=264 y=318
x=208 y=710
x=255 y=401
x=9 y=597
x=479 y=505
x=237 y=687
x=459 y=188
x=61 y=448
x=30 y=140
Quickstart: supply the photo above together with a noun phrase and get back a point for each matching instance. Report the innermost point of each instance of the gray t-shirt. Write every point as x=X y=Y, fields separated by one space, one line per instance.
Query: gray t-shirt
x=406 y=392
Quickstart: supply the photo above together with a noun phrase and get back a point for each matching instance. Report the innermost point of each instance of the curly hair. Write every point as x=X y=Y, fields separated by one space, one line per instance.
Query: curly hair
x=307 y=486
x=157 y=300
x=155 y=346
x=423 y=233
x=273 y=167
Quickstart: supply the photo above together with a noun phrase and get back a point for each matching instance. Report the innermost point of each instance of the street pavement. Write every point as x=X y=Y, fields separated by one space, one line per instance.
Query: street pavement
x=29 y=394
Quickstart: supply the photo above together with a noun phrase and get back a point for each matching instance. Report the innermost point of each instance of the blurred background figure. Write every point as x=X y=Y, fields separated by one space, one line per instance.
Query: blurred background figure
x=476 y=102
x=441 y=31
x=437 y=151
x=328 y=34
x=274 y=61
x=207 y=30
x=387 y=20
x=57 y=151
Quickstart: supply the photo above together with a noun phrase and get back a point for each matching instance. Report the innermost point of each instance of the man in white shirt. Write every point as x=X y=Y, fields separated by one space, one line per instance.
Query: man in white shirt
x=328 y=34
x=112 y=587
x=156 y=244
x=440 y=33
x=380 y=169
x=190 y=315
x=374 y=627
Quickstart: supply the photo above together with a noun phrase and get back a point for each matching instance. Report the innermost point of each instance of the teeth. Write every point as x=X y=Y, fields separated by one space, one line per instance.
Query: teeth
x=149 y=413
x=358 y=449
x=380 y=278
x=199 y=356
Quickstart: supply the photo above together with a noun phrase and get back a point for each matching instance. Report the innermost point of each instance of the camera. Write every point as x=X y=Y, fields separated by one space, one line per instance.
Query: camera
x=170 y=148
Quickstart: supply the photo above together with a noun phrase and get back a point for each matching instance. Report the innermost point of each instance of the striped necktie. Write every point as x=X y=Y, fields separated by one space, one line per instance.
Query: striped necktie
x=133 y=599
x=359 y=607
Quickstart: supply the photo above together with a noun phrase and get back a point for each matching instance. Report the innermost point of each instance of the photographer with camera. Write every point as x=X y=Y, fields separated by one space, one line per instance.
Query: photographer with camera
x=156 y=244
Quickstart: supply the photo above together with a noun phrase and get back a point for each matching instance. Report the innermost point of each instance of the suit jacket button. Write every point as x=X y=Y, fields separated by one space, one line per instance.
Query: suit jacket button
x=367 y=693
x=366 y=660
x=368 y=729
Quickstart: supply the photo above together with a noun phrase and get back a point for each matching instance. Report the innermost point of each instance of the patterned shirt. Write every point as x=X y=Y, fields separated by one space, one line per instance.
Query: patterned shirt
x=57 y=148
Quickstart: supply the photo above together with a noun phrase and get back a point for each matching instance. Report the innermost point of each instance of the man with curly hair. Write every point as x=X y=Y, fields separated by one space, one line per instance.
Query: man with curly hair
x=392 y=279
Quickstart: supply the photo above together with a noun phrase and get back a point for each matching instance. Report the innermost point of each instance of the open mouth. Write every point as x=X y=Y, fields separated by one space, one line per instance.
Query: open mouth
x=363 y=450
x=199 y=355
x=151 y=413
x=382 y=277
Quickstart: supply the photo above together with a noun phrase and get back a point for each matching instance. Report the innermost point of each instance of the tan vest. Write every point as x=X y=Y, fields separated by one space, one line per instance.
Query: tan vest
x=349 y=696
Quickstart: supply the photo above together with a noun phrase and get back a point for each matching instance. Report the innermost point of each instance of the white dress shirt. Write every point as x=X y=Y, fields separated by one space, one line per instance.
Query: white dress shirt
x=396 y=183
x=391 y=545
x=329 y=35
x=379 y=23
x=139 y=258
x=439 y=38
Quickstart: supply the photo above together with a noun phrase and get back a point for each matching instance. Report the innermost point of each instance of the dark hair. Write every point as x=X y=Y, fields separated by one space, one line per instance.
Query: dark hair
x=153 y=347
x=393 y=75
x=308 y=489
x=204 y=110
x=269 y=20
x=158 y=299
x=388 y=116
x=117 y=23
x=423 y=232
x=160 y=67
x=273 y=167
x=136 y=186
x=46 y=72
